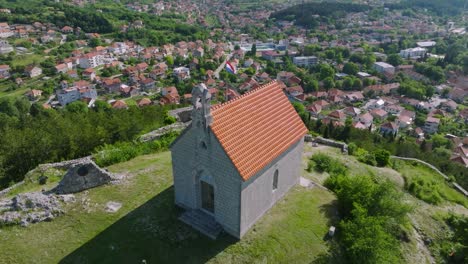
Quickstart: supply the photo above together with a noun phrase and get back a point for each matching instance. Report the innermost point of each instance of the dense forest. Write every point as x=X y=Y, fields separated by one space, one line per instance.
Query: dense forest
x=438 y=7
x=157 y=30
x=304 y=14
x=32 y=135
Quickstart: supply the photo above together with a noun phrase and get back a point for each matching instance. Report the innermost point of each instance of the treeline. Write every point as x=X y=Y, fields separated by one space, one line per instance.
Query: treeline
x=32 y=135
x=59 y=14
x=303 y=14
x=157 y=30
x=439 y=7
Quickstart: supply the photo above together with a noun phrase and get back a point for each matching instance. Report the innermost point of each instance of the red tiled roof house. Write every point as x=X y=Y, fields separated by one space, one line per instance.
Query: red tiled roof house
x=236 y=159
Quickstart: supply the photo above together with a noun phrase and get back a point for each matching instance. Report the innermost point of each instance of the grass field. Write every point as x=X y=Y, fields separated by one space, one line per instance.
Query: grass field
x=411 y=170
x=27 y=59
x=146 y=227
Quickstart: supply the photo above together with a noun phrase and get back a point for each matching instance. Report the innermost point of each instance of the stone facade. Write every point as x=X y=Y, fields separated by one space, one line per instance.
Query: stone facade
x=258 y=194
x=198 y=156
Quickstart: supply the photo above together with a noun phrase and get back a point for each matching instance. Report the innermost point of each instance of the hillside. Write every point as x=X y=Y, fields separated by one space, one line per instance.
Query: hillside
x=146 y=227
x=311 y=14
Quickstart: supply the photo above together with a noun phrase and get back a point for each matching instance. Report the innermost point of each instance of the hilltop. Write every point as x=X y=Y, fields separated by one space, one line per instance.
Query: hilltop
x=146 y=226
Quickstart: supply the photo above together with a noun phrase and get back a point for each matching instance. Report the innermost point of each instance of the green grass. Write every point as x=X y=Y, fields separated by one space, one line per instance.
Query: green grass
x=27 y=59
x=146 y=227
x=412 y=171
x=31 y=181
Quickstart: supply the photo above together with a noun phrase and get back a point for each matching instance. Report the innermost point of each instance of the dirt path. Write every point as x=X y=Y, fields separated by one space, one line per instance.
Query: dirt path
x=423 y=255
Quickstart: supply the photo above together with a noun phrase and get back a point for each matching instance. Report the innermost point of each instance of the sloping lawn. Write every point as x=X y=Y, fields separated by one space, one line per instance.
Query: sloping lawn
x=146 y=227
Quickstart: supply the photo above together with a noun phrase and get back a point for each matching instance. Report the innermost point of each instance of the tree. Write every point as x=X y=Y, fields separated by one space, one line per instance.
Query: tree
x=326 y=71
x=382 y=157
x=169 y=60
x=253 y=51
x=328 y=83
x=77 y=107
x=350 y=68
x=394 y=59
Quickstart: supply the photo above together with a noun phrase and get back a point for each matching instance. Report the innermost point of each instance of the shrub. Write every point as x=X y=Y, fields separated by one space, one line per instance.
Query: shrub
x=373 y=215
x=426 y=190
x=352 y=147
x=324 y=163
x=382 y=157
x=123 y=151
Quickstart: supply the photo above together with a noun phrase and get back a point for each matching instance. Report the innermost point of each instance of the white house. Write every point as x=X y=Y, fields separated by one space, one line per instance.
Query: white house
x=413 y=53
x=383 y=67
x=305 y=61
x=91 y=60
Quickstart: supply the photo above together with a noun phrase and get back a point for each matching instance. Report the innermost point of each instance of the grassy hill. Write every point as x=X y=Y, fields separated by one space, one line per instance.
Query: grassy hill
x=146 y=227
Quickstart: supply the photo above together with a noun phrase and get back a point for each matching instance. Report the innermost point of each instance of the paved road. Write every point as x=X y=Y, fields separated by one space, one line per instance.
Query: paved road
x=456 y=185
x=221 y=67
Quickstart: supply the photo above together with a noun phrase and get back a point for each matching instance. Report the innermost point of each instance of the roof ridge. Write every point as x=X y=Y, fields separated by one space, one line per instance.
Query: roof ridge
x=215 y=107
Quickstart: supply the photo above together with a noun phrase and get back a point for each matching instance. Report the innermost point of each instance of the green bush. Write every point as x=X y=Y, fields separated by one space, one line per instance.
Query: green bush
x=426 y=190
x=324 y=163
x=123 y=151
x=382 y=157
x=373 y=218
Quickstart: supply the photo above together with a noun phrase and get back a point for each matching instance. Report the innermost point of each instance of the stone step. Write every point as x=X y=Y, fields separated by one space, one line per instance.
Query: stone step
x=203 y=222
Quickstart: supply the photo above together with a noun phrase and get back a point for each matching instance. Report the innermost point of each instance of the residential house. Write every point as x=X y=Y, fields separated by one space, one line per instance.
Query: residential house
x=379 y=113
x=199 y=52
x=259 y=164
x=147 y=84
x=294 y=90
x=75 y=93
x=34 y=95
x=182 y=73
x=111 y=85
x=288 y=78
x=367 y=119
x=337 y=115
x=61 y=68
x=67 y=30
x=249 y=84
x=33 y=71
x=5 y=47
x=431 y=125
x=383 y=68
x=389 y=128
x=144 y=102
x=119 y=104
x=129 y=91
x=4 y=71
x=413 y=53
x=314 y=109
x=231 y=94
x=305 y=61
x=352 y=111
x=89 y=74
x=394 y=109
x=91 y=60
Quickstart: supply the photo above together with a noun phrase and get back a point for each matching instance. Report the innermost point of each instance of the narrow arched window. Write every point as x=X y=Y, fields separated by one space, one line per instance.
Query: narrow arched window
x=275 y=180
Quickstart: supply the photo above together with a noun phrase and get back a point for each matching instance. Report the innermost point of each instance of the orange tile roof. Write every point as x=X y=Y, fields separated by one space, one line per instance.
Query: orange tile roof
x=255 y=128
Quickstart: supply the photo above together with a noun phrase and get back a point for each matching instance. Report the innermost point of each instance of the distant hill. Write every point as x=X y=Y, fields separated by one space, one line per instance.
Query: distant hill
x=439 y=7
x=303 y=14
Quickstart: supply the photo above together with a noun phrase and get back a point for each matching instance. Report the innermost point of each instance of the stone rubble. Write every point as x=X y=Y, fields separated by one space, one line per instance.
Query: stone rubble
x=113 y=207
x=28 y=208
